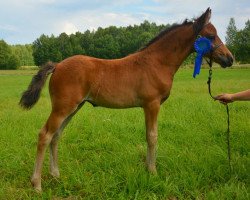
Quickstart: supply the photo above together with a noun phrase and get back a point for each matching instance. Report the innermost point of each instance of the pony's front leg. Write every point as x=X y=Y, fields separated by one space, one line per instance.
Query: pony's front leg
x=151 y=111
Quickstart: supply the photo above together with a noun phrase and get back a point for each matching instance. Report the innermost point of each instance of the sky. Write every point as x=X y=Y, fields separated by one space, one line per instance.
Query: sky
x=23 y=21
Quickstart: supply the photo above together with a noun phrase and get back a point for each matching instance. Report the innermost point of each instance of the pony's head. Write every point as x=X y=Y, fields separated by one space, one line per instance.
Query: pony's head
x=219 y=53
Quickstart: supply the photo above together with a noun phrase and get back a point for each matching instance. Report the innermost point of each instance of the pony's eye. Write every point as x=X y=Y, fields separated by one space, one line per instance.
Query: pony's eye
x=210 y=37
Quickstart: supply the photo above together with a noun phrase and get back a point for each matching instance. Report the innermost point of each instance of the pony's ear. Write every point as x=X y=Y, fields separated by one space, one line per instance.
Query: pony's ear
x=207 y=15
x=201 y=21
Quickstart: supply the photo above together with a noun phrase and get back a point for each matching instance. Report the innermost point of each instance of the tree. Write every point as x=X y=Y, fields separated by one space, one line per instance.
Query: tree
x=231 y=37
x=105 y=47
x=238 y=41
x=8 y=60
x=86 y=41
x=75 y=40
x=65 y=46
x=243 y=44
x=24 y=54
x=46 y=49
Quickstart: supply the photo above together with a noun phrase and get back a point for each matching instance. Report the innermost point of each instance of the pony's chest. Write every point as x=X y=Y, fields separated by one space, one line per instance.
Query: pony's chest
x=164 y=89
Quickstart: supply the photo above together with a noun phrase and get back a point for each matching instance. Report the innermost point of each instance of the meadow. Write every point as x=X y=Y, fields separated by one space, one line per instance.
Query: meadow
x=102 y=151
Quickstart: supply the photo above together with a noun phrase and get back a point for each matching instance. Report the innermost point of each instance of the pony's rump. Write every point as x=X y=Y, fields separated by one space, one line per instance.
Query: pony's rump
x=32 y=94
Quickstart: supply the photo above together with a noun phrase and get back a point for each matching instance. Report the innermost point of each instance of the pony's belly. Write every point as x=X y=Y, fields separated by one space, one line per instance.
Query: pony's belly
x=114 y=101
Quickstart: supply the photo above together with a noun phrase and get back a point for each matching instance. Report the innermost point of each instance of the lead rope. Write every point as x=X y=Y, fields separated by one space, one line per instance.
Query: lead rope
x=209 y=62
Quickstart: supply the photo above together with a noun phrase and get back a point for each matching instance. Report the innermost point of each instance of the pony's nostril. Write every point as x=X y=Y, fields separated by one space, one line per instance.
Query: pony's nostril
x=225 y=60
x=230 y=60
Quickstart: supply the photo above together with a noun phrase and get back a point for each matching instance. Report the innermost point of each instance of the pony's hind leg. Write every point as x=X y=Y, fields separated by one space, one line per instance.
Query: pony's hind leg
x=52 y=127
x=54 y=170
x=45 y=136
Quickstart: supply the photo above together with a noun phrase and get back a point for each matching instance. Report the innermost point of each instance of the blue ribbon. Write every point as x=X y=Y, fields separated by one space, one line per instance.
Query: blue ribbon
x=202 y=46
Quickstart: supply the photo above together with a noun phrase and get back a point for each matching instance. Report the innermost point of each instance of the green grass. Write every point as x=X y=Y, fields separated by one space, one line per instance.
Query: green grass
x=102 y=151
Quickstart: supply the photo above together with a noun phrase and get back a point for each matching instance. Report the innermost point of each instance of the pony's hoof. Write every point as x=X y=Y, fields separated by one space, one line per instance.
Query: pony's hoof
x=36 y=185
x=38 y=189
x=152 y=170
x=55 y=173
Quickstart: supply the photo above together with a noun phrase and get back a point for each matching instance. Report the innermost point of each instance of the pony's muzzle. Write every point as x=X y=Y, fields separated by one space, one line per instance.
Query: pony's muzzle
x=226 y=60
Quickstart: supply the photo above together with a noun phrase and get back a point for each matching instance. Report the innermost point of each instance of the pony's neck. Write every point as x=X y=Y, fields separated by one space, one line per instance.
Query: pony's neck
x=174 y=47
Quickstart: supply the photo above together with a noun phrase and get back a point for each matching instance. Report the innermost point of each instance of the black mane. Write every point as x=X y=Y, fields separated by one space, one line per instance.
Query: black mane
x=198 y=24
x=166 y=31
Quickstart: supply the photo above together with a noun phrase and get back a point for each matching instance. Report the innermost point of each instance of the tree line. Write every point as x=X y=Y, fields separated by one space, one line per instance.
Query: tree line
x=13 y=56
x=238 y=41
x=108 y=43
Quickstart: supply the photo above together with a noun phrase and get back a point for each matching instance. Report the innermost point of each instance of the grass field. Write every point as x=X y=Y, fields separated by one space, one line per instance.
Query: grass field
x=102 y=151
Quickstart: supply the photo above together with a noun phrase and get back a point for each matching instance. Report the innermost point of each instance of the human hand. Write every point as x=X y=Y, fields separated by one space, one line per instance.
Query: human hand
x=224 y=98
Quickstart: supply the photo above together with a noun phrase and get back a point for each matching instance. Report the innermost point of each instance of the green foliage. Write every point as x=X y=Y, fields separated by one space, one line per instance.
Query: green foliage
x=243 y=44
x=109 y=43
x=105 y=46
x=8 y=58
x=24 y=54
x=102 y=151
x=46 y=49
x=231 y=36
x=13 y=56
x=238 y=41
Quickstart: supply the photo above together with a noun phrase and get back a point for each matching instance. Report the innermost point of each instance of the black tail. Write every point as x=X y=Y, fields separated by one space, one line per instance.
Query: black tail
x=32 y=94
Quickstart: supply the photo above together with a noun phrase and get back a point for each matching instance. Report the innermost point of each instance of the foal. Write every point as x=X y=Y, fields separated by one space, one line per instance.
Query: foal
x=143 y=79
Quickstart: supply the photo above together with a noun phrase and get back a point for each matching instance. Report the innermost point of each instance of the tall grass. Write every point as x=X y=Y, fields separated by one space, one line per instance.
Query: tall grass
x=102 y=151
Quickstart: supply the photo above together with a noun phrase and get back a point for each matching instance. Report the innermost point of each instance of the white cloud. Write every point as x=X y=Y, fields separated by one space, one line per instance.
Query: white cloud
x=69 y=28
x=90 y=20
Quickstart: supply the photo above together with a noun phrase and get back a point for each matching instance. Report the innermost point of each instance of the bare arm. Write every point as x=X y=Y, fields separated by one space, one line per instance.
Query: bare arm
x=239 y=96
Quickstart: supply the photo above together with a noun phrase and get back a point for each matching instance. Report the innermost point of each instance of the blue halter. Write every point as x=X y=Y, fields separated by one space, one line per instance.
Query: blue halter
x=202 y=46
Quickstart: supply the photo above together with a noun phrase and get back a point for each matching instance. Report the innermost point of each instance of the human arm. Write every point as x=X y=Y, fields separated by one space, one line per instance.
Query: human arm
x=229 y=98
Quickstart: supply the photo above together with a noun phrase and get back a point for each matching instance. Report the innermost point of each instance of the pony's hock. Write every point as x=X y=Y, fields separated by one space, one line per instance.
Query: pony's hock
x=143 y=79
